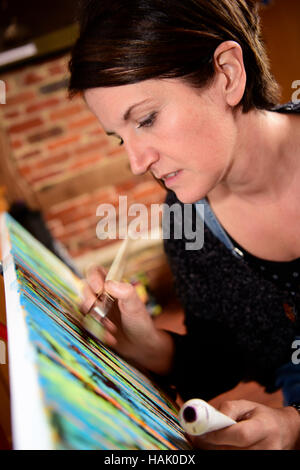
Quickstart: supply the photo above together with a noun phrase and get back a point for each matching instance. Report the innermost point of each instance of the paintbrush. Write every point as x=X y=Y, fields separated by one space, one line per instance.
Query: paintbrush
x=104 y=301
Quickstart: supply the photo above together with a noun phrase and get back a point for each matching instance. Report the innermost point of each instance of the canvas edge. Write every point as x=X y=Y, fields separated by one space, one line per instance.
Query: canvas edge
x=30 y=428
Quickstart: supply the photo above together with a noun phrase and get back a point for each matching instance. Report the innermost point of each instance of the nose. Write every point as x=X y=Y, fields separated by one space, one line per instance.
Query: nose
x=141 y=156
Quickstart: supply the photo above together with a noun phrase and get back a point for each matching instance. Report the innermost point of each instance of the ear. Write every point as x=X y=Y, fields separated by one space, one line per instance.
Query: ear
x=229 y=64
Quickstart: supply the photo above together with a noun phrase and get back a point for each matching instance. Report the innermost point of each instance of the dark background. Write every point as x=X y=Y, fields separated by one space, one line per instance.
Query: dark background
x=22 y=21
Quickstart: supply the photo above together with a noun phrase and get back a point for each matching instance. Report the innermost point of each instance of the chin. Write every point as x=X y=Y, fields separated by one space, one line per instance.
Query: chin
x=188 y=198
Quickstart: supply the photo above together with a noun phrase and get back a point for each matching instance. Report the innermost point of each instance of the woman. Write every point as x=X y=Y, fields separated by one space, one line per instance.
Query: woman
x=186 y=87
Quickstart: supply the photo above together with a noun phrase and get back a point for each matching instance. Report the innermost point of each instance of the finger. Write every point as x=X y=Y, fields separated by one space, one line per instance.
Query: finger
x=109 y=340
x=87 y=300
x=129 y=300
x=95 y=279
x=97 y=269
x=242 y=435
x=202 y=443
x=109 y=325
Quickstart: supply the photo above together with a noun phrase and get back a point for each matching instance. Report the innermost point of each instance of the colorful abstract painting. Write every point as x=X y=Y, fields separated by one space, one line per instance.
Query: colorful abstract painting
x=68 y=390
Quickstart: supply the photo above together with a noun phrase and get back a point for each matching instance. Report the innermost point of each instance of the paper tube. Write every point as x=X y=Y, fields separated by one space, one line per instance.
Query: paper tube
x=199 y=417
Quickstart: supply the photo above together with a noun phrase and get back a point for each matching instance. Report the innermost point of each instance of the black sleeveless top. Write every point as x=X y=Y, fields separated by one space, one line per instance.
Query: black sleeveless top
x=284 y=274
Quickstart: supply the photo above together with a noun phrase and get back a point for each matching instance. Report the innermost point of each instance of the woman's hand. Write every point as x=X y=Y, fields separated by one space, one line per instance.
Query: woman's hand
x=258 y=428
x=129 y=329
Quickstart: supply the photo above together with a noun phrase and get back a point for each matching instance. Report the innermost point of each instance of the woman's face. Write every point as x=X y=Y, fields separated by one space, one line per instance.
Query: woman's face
x=183 y=135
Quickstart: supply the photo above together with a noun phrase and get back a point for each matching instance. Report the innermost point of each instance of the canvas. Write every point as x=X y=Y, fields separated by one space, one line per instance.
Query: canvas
x=68 y=390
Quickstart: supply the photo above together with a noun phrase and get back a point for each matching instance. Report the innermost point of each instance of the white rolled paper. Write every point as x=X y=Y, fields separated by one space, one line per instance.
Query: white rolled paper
x=199 y=417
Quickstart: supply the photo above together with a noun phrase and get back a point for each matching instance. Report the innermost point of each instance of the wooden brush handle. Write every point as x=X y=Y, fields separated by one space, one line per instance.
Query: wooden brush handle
x=116 y=270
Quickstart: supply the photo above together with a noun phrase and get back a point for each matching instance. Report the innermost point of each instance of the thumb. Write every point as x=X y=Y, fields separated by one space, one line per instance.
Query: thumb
x=129 y=301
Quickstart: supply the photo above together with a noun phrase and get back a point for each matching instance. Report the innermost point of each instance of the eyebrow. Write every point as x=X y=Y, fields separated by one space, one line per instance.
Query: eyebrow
x=126 y=115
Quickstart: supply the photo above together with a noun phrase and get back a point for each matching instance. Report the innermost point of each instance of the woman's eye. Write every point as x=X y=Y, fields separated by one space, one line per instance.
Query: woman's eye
x=121 y=141
x=148 y=122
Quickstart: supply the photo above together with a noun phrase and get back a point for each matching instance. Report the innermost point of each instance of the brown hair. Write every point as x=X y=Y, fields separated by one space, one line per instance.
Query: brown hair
x=127 y=41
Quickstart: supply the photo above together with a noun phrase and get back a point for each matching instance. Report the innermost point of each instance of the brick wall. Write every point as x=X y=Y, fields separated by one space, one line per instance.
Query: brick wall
x=63 y=157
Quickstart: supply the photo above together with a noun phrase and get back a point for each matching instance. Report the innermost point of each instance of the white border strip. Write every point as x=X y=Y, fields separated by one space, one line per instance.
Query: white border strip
x=18 y=53
x=29 y=422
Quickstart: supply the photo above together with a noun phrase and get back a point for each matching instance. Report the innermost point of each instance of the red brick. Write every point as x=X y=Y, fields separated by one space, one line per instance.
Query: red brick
x=59 y=215
x=77 y=228
x=89 y=147
x=64 y=141
x=66 y=112
x=103 y=194
x=11 y=115
x=31 y=78
x=125 y=187
x=87 y=235
x=70 y=204
x=24 y=171
x=56 y=69
x=16 y=144
x=101 y=243
x=54 y=160
x=93 y=219
x=44 y=177
x=47 y=162
x=25 y=126
x=77 y=246
x=156 y=198
x=77 y=253
x=26 y=167
x=45 y=134
x=39 y=105
x=82 y=122
x=33 y=153
x=20 y=98
x=75 y=215
x=85 y=162
x=65 y=211
x=148 y=192
x=66 y=217
x=116 y=151
x=97 y=131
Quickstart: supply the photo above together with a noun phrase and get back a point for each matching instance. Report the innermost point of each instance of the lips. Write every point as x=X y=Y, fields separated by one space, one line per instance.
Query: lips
x=166 y=176
x=170 y=175
x=170 y=179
